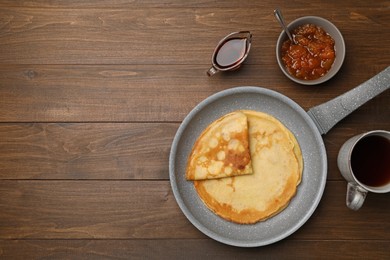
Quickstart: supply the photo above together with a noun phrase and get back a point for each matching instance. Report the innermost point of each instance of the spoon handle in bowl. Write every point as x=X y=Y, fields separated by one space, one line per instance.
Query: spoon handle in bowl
x=279 y=17
x=328 y=114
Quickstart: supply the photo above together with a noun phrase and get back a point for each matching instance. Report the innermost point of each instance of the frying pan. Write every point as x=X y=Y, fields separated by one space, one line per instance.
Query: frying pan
x=307 y=128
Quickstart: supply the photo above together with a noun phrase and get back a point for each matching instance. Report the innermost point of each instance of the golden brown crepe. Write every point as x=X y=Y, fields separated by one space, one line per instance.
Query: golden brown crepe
x=221 y=150
x=277 y=165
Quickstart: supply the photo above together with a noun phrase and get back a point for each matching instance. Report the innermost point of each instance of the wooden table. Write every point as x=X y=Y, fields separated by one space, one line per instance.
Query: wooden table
x=91 y=96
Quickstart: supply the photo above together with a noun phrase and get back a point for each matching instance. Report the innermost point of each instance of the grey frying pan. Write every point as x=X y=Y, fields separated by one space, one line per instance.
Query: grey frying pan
x=306 y=126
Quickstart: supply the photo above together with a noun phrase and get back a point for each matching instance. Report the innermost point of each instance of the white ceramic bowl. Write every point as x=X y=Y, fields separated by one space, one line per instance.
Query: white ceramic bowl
x=332 y=30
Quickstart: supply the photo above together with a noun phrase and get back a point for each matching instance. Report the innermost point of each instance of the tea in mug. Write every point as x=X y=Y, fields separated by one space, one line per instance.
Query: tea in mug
x=370 y=161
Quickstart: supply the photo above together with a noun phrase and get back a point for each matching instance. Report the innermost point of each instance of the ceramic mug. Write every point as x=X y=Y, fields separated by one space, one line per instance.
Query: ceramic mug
x=230 y=52
x=364 y=161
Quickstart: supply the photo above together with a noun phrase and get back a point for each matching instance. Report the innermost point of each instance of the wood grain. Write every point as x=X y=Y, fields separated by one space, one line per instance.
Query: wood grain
x=93 y=92
x=148 y=210
x=43 y=93
x=128 y=4
x=173 y=248
x=85 y=151
x=90 y=209
x=167 y=35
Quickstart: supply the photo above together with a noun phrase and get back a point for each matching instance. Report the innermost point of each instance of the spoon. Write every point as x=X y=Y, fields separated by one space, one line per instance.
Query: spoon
x=279 y=17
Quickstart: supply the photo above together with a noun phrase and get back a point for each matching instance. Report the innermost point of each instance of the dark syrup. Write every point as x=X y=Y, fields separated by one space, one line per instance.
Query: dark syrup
x=370 y=161
x=231 y=52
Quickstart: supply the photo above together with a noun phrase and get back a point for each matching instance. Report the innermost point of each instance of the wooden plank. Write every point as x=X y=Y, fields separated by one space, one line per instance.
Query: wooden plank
x=169 y=35
x=92 y=209
x=85 y=151
x=108 y=93
x=124 y=4
x=44 y=93
x=148 y=210
x=189 y=249
x=116 y=151
x=162 y=36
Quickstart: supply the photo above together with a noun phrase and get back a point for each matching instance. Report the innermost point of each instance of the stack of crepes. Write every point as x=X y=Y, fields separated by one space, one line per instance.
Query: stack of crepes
x=246 y=166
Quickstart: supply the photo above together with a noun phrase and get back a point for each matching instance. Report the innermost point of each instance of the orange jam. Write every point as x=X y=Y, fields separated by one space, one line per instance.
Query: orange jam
x=313 y=54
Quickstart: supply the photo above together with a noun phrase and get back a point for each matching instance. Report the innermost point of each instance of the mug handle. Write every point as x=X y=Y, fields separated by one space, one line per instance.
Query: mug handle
x=355 y=196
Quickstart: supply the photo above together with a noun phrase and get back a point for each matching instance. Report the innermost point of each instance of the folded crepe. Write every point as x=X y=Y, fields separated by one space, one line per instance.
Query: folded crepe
x=222 y=149
x=277 y=170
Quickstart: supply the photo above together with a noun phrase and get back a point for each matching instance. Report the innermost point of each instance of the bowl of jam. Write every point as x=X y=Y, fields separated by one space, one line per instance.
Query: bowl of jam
x=316 y=53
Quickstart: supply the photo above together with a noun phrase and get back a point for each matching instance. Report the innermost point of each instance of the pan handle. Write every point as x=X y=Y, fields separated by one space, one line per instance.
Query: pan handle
x=328 y=114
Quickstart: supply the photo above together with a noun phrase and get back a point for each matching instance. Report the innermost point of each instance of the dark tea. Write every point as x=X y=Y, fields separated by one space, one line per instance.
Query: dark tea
x=231 y=52
x=370 y=161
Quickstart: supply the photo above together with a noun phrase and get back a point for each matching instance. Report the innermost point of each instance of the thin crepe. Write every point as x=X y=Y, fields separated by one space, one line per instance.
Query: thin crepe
x=277 y=164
